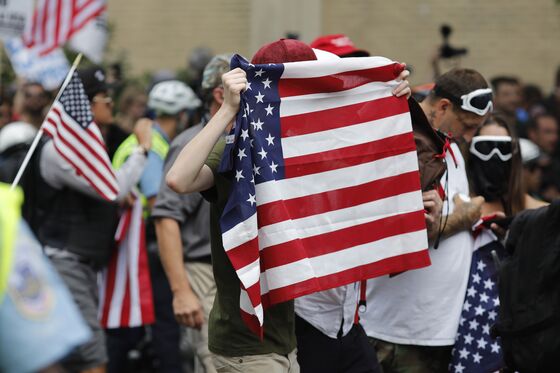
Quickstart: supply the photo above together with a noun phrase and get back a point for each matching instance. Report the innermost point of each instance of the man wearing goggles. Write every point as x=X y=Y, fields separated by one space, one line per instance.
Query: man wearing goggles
x=413 y=317
x=469 y=109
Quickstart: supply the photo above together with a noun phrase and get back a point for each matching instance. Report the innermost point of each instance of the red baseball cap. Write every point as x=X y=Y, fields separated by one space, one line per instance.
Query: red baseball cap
x=284 y=50
x=339 y=44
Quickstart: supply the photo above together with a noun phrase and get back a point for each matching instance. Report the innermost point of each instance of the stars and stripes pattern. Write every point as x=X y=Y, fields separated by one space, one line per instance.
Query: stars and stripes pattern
x=326 y=189
x=475 y=351
x=125 y=289
x=78 y=139
x=55 y=21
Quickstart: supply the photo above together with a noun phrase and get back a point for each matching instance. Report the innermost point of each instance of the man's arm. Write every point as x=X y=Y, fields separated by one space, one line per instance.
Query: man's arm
x=186 y=306
x=189 y=173
x=465 y=214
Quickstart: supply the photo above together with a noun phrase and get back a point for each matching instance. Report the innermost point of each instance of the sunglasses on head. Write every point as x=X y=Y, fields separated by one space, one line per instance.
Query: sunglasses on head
x=485 y=147
x=478 y=101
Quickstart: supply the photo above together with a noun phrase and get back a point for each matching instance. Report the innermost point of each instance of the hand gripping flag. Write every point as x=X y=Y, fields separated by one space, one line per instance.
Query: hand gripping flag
x=475 y=350
x=124 y=285
x=78 y=139
x=326 y=189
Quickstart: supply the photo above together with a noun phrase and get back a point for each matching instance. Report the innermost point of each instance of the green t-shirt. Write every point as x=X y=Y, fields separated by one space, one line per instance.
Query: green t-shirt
x=227 y=333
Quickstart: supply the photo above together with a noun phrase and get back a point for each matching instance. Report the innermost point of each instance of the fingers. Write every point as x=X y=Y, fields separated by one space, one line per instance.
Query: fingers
x=198 y=319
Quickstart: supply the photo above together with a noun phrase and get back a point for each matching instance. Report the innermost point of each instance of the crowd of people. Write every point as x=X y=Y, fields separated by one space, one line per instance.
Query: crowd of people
x=166 y=142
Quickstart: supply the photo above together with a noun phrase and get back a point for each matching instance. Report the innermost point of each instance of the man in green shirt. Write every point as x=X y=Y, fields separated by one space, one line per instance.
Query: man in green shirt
x=235 y=347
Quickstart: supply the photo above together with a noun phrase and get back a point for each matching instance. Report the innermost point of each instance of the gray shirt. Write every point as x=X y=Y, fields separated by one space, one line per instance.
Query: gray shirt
x=58 y=173
x=191 y=211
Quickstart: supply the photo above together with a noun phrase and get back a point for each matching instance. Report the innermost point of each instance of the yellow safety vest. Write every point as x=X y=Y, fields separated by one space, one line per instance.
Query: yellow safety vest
x=10 y=213
x=159 y=145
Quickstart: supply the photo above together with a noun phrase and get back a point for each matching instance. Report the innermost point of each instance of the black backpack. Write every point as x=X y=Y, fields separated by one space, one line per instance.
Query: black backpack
x=529 y=291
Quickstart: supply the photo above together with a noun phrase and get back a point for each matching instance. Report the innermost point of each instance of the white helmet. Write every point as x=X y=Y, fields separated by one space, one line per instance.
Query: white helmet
x=171 y=97
x=16 y=133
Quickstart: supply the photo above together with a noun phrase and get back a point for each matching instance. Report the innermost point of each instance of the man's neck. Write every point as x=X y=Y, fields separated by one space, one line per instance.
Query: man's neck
x=168 y=126
x=35 y=120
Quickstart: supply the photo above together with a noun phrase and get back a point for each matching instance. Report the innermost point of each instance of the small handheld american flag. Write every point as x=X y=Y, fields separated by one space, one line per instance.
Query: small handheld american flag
x=326 y=189
x=78 y=139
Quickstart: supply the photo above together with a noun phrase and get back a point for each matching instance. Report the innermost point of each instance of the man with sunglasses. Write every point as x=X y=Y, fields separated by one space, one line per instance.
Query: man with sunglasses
x=412 y=318
x=75 y=226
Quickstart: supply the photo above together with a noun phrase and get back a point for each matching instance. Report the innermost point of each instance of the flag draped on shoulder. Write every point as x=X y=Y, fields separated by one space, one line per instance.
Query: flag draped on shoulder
x=55 y=21
x=326 y=189
x=124 y=285
x=78 y=139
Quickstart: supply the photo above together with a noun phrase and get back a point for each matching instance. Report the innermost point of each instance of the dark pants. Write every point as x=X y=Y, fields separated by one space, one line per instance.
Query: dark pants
x=397 y=358
x=165 y=332
x=319 y=353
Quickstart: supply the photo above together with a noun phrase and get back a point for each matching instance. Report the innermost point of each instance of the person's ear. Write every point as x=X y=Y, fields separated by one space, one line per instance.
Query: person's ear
x=218 y=94
x=442 y=106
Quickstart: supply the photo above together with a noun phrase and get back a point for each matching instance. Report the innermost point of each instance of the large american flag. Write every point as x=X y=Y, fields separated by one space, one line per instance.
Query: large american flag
x=475 y=351
x=55 y=21
x=78 y=139
x=326 y=189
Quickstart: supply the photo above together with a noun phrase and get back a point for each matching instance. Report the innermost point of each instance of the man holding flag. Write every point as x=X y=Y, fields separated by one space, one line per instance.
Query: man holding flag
x=78 y=191
x=298 y=193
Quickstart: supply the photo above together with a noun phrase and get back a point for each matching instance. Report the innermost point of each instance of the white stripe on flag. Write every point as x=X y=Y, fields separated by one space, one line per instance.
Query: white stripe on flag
x=133 y=249
x=296 y=105
x=86 y=170
x=246 y=306
x=335 y=220
x=338 y=261
x=312 y=69
x=121 y=273
x=250 y=274
x=302 y=186
x=338 y=138
x=242 y=232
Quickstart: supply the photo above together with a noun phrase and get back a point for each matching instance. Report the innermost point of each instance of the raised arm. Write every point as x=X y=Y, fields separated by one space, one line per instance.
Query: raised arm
x=189 y=173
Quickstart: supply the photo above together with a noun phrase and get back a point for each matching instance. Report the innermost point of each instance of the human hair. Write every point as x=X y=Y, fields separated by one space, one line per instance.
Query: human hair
x=534 y=122
x=497 y=81
x=514 y=200
x=456 y=83
x=129 y=96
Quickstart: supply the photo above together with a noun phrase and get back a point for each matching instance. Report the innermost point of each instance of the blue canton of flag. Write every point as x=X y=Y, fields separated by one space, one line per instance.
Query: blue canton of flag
x=256 y=156
x=76 y=102
x=475 y=350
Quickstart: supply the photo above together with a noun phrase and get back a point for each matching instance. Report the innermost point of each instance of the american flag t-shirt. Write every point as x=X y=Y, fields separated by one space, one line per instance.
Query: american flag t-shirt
x=78 y=140
x=475 y=350
x=326 y=189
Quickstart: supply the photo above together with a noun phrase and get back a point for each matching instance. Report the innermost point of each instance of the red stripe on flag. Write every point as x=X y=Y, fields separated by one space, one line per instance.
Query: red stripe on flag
x=109 y=289
x=144 y=281
x=319 y=203
x=90 y=166
x=125 y=309
x=339 y=240
x=90 y=182
x=318 y=121
x=244 y=254
x=91 y=135
x=338 y=82
x=58 y=20
x=252 y=323
x=46 y=15
x=90 y=150
x=395 y=264
x=349 y=156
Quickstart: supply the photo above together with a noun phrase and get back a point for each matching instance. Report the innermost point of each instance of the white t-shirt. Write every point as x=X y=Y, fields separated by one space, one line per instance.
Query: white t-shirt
x=423 y=306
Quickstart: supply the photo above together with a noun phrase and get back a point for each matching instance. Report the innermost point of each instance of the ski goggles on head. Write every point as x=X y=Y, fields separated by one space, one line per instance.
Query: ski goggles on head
x=478 y=101
x=485 y=147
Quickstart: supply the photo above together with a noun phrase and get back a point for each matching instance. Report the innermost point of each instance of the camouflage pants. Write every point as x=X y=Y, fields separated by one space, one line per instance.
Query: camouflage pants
x=396 y=358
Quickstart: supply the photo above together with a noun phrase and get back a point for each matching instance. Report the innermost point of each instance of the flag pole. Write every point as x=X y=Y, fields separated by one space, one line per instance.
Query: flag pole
x=40 y=132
